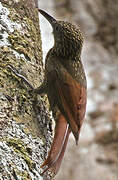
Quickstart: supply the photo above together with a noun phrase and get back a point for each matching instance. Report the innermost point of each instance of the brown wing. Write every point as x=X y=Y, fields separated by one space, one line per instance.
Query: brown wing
x=70 y=99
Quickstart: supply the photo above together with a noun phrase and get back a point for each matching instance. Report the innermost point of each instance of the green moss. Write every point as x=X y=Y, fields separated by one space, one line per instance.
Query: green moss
x=24 y=174
x=19 y=147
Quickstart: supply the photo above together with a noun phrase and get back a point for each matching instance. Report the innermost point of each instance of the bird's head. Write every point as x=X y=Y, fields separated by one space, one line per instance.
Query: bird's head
x=68 y=38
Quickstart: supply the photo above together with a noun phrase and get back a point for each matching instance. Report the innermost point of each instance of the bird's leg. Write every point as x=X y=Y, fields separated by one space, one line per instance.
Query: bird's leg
x=41 y=89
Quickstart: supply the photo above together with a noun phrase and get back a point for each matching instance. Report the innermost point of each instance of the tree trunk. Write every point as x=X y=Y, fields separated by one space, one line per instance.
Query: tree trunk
x=24 y=120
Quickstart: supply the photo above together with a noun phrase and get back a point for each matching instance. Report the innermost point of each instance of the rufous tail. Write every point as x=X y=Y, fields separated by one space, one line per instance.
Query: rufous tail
x=55 y=156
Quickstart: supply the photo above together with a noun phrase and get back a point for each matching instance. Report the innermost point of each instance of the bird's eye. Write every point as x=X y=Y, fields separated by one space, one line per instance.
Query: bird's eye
x=57 y=28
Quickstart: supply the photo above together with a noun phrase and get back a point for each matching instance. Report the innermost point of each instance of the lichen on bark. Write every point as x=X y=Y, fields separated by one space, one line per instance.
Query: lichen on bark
x=24 y=119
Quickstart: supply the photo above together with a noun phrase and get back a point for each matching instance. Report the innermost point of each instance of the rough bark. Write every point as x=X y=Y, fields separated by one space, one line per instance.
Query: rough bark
x=24 y=120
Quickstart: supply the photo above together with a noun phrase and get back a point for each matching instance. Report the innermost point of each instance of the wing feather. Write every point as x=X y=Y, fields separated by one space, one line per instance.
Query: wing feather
x=70 y=99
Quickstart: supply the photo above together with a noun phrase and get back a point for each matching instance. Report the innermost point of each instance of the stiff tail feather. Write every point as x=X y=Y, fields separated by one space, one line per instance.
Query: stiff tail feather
x=58 y=147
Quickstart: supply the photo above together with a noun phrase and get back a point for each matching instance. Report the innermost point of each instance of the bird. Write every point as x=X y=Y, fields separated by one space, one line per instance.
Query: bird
x=66 y=88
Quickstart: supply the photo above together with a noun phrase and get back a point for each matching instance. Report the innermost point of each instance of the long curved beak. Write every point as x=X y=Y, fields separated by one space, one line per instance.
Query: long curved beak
x=47 y=16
